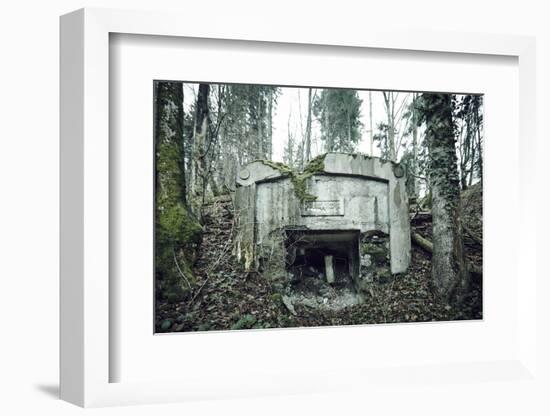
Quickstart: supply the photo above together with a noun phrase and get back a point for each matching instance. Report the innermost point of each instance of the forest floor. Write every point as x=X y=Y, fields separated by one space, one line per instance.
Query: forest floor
x=228 y=298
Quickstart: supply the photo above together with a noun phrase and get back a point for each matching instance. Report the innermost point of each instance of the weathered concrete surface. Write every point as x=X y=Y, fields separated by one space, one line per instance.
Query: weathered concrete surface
x=343 y=203
x=353 y=192
x=329 y=269
x=254 y=172
x=398 y=209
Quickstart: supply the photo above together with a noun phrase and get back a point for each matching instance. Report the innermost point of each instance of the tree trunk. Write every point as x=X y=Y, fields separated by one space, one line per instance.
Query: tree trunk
x=261 y=154
x=449 y=274
x=201 y=138
x=270 y=125
x=390 y=115
x=415 y=148
x=391 y=131
x=462 y=138
x=329 y=145
x=467 y=150
x=371 y=131
x=213 y=185
x=177 y=232
x=479 y=146
x=308 y=128
x=472 y=161
x=169 y=136
x=349 y=133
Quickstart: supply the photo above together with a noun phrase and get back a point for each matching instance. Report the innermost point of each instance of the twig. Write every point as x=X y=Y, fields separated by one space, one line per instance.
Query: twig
x=179 y=270
x=419 y=177
x=199 y=290
x=472 y=234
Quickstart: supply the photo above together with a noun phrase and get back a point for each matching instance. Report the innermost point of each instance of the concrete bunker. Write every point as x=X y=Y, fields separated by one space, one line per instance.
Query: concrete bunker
x=326 y=234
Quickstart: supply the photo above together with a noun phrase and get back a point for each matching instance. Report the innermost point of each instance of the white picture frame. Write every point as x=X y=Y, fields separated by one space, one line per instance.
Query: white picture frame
x=85 y=264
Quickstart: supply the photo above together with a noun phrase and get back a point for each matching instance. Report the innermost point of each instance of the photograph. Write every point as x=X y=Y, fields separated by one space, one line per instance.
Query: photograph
x=291 y=207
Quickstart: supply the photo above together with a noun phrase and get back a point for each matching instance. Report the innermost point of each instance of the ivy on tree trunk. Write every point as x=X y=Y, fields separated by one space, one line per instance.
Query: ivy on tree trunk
x=449 y=273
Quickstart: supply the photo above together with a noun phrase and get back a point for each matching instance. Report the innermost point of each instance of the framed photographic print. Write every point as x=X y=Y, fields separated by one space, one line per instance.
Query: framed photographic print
x=314 y=214
x=291 y=207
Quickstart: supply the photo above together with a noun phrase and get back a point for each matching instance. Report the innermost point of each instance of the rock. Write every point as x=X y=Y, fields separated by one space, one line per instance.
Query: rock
x=288 y=304
x=204 y=327
x=384 y=276
x=166 y=324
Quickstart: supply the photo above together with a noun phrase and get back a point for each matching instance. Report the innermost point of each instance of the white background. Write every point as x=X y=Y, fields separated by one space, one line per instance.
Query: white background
x=29 y=207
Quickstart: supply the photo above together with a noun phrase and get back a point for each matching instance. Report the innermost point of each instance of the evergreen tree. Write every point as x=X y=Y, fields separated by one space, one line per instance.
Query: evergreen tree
x=339 y=112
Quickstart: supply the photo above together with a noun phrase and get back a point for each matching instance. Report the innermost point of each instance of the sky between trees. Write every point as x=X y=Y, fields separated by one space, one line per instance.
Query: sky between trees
x=292 y=104
x=297 y=124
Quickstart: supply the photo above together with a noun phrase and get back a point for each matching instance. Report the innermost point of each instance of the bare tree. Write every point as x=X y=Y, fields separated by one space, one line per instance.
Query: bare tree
x=394 y=117
x=371 y=130
x=415 y=144
x=308 y=126
x=289 y=150
x=202 y=140
x=270 y=124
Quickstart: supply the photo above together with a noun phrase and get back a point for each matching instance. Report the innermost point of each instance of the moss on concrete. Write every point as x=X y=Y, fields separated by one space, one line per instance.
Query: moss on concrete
x=299 y=179
x=281 y=167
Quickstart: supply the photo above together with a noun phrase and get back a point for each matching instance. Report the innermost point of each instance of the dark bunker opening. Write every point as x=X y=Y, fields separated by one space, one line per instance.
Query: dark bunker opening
x=322 y=256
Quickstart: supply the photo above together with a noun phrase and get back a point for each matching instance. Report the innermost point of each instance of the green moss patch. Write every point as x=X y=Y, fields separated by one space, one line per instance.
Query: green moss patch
x=245 y=322
x=178 y=236
x=299 y=179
